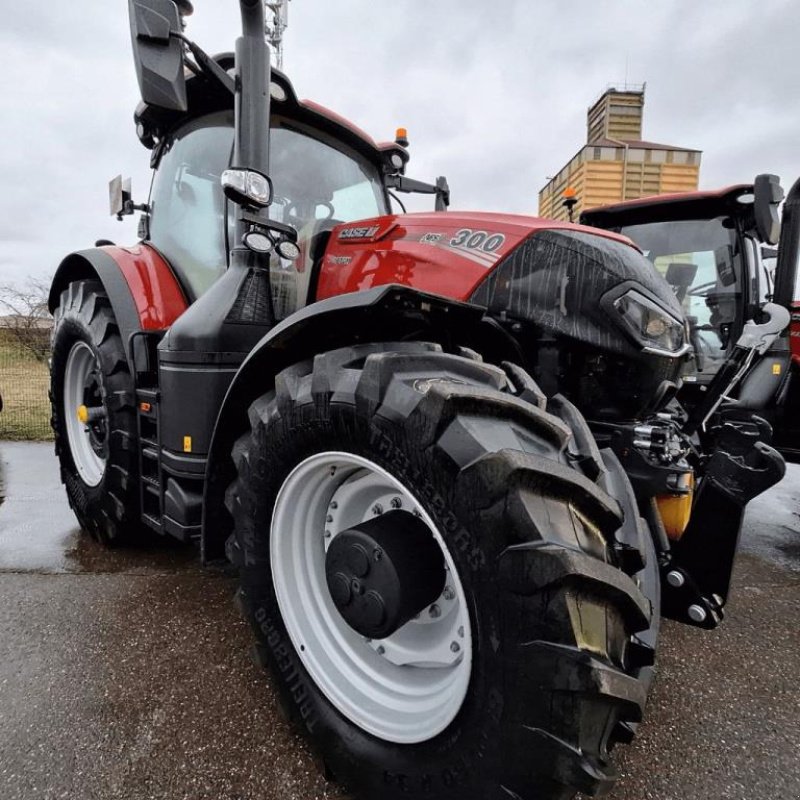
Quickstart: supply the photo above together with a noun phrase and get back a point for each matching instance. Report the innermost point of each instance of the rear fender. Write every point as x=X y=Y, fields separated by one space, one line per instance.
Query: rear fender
x=383 y=314
x=142 y=289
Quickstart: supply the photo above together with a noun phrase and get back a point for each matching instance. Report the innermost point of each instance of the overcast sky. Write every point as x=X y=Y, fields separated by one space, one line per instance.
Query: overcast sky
x=494 y=95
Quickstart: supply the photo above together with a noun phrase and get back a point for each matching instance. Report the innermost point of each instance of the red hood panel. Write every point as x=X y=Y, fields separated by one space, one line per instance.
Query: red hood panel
x=446 y=253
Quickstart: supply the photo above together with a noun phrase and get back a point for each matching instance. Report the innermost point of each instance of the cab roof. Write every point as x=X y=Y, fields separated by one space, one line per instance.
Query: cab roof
x=206 y=96
x=670 y=207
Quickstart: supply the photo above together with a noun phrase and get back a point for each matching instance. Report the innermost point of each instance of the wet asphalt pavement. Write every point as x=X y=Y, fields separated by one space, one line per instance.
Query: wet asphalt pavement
x=127 y=675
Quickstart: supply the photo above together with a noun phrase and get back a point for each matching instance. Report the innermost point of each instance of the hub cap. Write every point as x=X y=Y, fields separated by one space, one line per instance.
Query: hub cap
x=84 y=414
x=408 y=686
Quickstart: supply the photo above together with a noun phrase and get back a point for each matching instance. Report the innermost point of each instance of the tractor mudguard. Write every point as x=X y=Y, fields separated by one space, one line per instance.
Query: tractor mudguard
x=142 y=289
x=383 y=314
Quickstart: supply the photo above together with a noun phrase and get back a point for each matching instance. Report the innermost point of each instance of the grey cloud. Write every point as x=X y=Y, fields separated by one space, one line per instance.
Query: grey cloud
x=494 y=95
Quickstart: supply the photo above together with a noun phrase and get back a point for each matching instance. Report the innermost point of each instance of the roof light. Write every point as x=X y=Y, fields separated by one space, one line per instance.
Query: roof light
x=401 y=137
x=277 y=92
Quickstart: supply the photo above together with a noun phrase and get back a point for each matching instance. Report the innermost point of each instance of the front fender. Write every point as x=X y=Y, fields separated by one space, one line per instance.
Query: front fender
x=383 y=314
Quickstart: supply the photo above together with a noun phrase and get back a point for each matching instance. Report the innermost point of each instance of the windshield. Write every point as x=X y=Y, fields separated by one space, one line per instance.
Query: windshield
x=317 y=183
x=700 y=260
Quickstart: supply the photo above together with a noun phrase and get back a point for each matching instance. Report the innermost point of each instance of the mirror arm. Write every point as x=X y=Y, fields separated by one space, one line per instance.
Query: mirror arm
x=410 y=186
x=206 y=63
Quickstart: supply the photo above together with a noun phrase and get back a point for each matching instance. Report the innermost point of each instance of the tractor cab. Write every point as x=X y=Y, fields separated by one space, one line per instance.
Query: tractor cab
x=709 y=249
x=324 y=172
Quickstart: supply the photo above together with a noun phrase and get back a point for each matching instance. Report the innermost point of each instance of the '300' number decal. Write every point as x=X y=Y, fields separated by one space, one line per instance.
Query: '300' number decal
x=478 y=240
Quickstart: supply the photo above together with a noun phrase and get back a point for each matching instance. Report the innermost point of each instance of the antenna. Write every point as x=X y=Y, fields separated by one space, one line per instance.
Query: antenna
x=275 y=31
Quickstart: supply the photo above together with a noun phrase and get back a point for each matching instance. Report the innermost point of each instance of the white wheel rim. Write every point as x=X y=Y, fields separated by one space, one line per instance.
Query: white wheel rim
x=80 y=363
x=406 y=688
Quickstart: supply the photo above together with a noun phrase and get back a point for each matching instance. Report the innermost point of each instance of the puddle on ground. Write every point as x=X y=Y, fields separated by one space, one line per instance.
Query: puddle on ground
x=39 y=533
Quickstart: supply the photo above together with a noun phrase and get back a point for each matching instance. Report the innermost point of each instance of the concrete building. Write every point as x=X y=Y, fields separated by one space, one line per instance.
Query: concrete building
x=616 y=163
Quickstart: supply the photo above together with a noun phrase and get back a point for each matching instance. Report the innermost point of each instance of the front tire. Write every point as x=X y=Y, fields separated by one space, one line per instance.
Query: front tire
x=93 y=415
x=552 y=668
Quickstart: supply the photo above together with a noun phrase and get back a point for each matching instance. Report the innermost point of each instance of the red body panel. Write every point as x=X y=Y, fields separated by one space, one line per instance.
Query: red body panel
x=156 y=292
x=429 y=251
x=794 y=332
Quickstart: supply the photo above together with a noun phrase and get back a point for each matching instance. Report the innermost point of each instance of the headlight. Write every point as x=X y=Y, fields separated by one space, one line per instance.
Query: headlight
x=650 y=324
x=247 y=187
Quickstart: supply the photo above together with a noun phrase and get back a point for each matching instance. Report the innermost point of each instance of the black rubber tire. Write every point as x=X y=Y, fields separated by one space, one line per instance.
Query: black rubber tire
x=108 y=511
x=533 y=536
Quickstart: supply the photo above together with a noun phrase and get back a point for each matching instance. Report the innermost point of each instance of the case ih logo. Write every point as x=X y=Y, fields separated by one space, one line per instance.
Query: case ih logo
x=359 y=233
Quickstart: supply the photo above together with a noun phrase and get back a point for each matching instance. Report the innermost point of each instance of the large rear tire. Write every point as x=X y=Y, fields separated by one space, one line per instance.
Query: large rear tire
x=545 y=672
x=93 y=414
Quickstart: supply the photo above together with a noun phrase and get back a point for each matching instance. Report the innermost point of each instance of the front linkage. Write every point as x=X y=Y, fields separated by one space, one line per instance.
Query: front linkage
x=723 y=449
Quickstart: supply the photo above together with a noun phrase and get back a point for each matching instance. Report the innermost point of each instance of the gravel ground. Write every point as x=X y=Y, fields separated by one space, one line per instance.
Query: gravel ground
x=126 y=675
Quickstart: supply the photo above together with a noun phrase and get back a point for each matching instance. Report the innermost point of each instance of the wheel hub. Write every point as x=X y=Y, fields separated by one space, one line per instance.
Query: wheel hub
x=404 y=688
x=384 y=572
x=92 y=413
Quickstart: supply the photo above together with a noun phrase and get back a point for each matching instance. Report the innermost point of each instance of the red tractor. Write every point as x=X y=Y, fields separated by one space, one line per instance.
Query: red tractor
x=443 y=450
x=716 y=250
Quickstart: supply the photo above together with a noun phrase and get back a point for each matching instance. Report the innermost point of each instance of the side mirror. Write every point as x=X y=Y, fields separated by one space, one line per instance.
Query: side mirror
x=788 y=250
x=768 y=195
x=158 y=52
x=119 y=196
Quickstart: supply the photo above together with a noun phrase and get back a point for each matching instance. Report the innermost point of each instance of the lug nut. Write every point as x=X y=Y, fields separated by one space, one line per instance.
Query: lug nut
x=448 y=593
x=455 y=647
x=327 y=534
x=380 y=650
x=697 y=613
x=377 y=554
x=397 y=502
x=416 y=513
x=329 y=518
x=675 y=579
x=377 y=509
x=435 y=611
x=334 y=505
x=461 y=631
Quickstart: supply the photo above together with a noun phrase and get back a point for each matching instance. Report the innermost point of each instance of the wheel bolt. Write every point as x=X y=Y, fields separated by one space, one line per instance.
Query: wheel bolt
x=461 y=631
x=675 y=579
x=455 y=647
x=377 y=554
x=435 y=611
x=334 y=505
x=417 y=513
x=329 y=518
x=327 y=534
x=380 y=650
x=448 y=593
x=697 y=613
x=377 y=509
x=397 y=502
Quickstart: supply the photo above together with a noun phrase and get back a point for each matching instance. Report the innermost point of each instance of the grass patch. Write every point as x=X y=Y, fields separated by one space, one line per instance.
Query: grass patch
x=24 y=383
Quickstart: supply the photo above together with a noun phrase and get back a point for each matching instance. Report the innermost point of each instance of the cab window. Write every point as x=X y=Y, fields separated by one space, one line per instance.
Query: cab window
x=701 y=260
x=187 y=204
x=318 y=184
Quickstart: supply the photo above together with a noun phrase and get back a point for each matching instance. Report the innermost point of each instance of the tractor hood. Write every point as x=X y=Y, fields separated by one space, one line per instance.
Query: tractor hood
x=447 y=253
